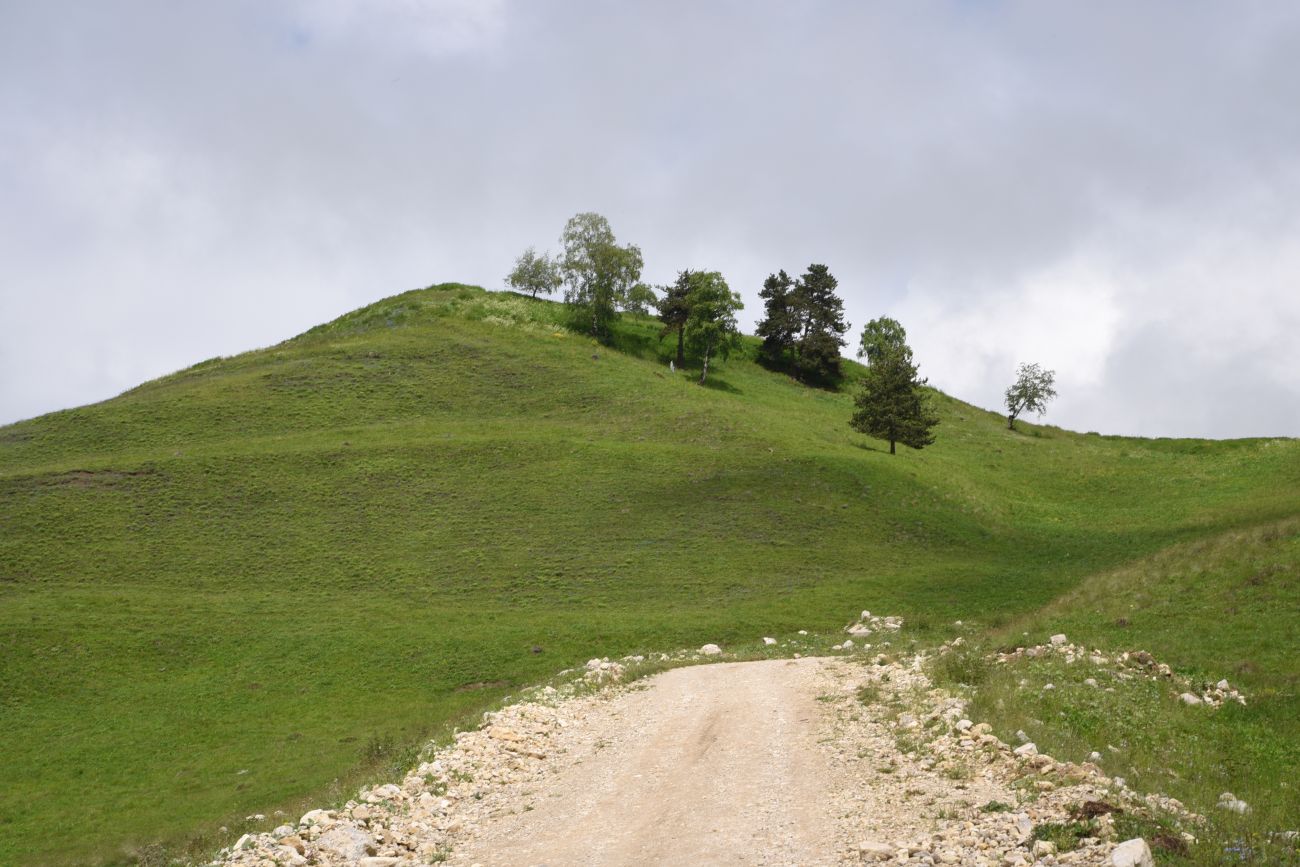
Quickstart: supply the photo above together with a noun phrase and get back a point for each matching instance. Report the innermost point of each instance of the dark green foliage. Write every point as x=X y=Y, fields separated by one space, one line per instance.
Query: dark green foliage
x=803 y=325
x=674 y=308
x=892 y=403
x=821 y=313
x=780 y=325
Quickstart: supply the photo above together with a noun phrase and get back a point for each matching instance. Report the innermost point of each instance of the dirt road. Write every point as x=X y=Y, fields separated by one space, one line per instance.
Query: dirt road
x=715 y=764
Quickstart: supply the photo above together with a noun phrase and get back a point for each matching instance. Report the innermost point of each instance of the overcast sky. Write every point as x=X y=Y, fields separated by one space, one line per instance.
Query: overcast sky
x=1111 y=189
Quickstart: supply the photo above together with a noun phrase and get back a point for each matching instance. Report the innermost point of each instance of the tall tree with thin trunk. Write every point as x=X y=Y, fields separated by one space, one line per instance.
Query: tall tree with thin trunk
x=599 y=272
x=892 y=404
x=1030 y=392
x=711 y=323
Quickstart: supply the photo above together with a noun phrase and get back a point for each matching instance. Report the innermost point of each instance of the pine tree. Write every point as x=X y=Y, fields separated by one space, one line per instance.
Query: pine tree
x=892 y=404
x=674 y=308
x=780 y=325
x=820 y=314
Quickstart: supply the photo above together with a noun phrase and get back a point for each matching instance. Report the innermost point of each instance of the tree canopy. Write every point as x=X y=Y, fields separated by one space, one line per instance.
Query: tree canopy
x=880 y=337
x=674 y=308
x=599 y=272
x=1030 y=392
x=710 y=327
x=892 y=404
x=534 y=273
x=803 y=325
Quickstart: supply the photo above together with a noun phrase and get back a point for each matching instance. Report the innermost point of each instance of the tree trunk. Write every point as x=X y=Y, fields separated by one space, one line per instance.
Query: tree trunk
x=891 y=447
x=681 y=351
x=705 y=371
x=1011 y=422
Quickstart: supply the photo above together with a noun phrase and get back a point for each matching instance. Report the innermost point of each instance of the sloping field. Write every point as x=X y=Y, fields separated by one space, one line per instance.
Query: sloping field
x=259 y=579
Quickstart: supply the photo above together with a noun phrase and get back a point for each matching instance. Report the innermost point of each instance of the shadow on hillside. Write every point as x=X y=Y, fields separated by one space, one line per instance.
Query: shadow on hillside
x=868 y=447
x=721 y=385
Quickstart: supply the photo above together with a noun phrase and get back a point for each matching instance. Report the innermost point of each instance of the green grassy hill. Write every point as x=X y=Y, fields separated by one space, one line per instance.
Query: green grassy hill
x=235 y=588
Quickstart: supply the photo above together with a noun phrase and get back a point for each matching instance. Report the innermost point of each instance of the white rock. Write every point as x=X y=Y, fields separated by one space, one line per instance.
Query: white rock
x=1092 y=681
x=282 y=831
x=1094 y=756
x=1026 y=749
x=316 y=817
x=1132 y=853
x=1223 y=685
x=345 y=842
x=1048 y=686
x=711 y=650
x=1058 y=639
x=871 y=851
x=847 y=645
x=1230 y=802
x=378 y=862
x=964 y=725
x=244 y=842
x=769 y=641
x=803 y=631
x=1190 y=698
x=1021 y=736
x=1044 y=847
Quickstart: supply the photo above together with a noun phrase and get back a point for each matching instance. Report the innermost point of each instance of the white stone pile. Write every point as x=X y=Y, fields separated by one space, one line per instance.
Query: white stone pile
x=1129 y=665
x=955 y=767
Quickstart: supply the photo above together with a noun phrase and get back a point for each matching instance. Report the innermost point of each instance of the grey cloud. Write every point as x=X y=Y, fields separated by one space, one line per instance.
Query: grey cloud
x=184 y=180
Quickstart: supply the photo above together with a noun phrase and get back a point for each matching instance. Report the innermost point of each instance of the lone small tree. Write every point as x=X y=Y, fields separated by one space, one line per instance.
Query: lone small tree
x=599 y=272
x=534 y=273
x=711 y=322
x=1031 y=391
x=892 y=404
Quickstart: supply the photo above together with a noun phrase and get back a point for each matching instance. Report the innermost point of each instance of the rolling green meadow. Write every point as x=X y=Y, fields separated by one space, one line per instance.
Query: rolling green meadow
x=246 y=586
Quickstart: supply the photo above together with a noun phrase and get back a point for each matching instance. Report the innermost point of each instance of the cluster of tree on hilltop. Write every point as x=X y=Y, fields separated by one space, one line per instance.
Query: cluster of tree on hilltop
x=802 y=328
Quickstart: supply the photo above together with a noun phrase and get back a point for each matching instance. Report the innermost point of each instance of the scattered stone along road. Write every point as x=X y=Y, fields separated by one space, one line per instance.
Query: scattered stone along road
x=713 y=764
x=815 y=761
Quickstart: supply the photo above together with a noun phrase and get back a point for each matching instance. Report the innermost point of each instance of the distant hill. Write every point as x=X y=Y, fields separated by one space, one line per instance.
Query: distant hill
x=245 y=584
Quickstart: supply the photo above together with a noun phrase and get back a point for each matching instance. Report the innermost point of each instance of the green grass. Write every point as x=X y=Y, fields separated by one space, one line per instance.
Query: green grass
x=265 y=563
x=1224 y=607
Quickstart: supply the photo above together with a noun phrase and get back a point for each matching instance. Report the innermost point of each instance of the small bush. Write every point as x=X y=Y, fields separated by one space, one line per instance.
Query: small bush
x=963 y=667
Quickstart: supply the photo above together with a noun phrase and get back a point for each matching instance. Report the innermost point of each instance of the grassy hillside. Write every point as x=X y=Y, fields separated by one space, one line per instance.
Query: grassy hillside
x=1225 y=607
x=230 y=589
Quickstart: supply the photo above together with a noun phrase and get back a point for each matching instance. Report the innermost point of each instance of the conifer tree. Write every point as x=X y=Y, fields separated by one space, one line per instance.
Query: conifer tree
x=803 y=325
x=892 y=404
x=821 y=319
x=674 y=308
x=780 y=325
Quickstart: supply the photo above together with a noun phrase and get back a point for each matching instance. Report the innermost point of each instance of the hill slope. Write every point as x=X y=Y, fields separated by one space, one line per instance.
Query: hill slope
x=228 y=589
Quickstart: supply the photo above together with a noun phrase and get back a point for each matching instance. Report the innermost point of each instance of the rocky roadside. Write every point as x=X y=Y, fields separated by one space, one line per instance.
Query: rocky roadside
x=914 y=781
